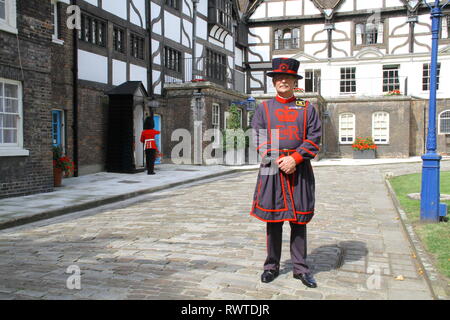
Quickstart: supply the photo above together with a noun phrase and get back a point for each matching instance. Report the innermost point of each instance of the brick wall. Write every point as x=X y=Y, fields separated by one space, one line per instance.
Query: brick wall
x=33 y=173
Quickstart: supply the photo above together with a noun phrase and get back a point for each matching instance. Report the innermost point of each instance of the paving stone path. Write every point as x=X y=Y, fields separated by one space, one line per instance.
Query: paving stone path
x=200 y=243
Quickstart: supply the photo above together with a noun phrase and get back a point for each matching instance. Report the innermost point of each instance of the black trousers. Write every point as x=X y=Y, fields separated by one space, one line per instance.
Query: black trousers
x=150 y=159
x=297 y=243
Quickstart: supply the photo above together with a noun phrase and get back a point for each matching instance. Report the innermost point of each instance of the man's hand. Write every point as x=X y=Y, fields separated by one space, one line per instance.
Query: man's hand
x=286 y=164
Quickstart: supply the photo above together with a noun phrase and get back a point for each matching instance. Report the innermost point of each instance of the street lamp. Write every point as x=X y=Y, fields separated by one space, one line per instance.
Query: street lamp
x=430 y=192
x=251 y=104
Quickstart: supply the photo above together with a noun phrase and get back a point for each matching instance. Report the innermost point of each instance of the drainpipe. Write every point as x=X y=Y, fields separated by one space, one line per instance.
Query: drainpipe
x=194 y=31
x=75 y=97
x=149 y=55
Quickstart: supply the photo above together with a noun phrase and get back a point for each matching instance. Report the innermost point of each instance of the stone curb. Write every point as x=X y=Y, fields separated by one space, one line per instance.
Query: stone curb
x=432 y=277
x=97 y=203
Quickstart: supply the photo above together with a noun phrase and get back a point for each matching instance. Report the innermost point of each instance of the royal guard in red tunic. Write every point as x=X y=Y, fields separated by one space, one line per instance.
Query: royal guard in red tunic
x=287 y=134
x=150 y=147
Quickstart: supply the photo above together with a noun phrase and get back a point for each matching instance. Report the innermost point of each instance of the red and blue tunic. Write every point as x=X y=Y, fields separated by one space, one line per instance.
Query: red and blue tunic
x=284 y=127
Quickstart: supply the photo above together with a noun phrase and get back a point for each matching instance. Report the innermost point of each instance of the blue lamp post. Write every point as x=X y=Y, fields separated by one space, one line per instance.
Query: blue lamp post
x=430 y=192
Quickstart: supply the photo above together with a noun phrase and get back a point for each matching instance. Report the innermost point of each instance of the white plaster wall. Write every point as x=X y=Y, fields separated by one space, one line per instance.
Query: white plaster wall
x=188 y=28
x=187 y=8
x=260 y=12
x=119 y=72
x=311 y=29
x=263 y=51
x=214 y=41
x=423 y=40
x=397 y=22
x=394 y=3
x=238 y=55
x=261 y=32
x=202 y=7
x=293 y=8
x=155 y=48
x=372 y=4
x=394 y=42
x=92 y=67
x=94 y=2
x=202 y=28
x=346 y=6
x=116 y=7
x=134 y=18
x=282 y=56
x=312 y=48
x=310 y=8
x=426 y=20
x=344 y=27
x=172 y=26
x=275 y=9
x=138 y=73
x=155 y=11
x=258 y=75
x=341 y=45
x=229 y=43
x=156 y=77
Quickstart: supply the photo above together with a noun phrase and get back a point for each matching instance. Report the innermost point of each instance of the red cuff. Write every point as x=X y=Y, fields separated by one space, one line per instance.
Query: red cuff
x=297 y=157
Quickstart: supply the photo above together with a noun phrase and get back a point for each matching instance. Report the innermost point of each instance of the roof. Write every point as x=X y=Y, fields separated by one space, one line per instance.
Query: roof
x=128 y=88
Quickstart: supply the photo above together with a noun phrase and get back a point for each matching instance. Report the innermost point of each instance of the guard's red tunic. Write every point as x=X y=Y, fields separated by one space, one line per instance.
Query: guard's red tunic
x=283 y=124
x=150 y=136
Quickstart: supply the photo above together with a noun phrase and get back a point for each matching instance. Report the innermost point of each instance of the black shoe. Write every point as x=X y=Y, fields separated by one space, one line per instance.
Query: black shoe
x=269 y=275
x=151 y=173
x=307 y=279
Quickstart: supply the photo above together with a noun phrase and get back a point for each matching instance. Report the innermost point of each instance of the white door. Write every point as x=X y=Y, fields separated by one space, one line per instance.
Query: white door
x=138 y=127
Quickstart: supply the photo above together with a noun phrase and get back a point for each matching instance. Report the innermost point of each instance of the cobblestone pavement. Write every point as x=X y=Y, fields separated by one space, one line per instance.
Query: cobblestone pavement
x=199 y=242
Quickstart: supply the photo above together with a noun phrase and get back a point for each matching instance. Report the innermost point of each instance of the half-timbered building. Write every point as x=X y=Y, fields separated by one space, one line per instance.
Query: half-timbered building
x=369 y=61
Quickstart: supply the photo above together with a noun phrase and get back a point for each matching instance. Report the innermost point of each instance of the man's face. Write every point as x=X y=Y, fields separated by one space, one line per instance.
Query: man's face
x=284 y=84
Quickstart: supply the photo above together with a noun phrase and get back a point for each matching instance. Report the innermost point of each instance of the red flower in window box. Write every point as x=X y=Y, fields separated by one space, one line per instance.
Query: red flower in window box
x=364 y=144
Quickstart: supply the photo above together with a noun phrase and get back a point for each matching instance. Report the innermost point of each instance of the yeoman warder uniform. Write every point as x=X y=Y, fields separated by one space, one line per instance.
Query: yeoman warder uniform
x=285 y=127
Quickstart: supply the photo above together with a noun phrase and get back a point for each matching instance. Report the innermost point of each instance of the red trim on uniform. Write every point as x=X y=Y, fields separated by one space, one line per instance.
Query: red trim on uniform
x=284 y=71
x=284 y=198
x=290 y=189
x=283 y=100
x=315 y=145
x=297 y=157
x=259 y=218
x=260 y=146
x=305 y=115
x=310 y=152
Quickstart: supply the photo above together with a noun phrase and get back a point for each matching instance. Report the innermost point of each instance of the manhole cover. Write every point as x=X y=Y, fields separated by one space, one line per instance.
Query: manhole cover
x=129 y=181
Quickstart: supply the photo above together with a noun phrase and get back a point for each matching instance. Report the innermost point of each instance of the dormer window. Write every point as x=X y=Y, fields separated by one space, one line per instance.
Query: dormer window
x=287 y=38
x=369 y=33
x=220 y=13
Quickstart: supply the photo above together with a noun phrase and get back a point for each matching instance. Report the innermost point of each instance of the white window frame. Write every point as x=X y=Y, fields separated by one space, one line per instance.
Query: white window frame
x=352 y=131
x=9 y=24
x=215 y=121
x=249 y=113
x=55 y=38
x=427 y=66
x=347 y=83
x=439 y=122
x=16 y=149
x=376 y=130
x=240 y=117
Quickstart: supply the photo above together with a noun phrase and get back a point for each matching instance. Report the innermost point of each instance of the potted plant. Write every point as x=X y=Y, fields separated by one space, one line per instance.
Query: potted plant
x=364 y=148
x=394 y=93
x=61 y=164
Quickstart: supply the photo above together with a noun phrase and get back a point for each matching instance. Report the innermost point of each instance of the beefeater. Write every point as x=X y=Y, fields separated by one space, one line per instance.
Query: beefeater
x=287 y=134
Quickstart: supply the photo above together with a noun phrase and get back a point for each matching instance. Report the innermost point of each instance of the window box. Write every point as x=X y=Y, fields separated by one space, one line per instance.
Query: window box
x=364 y=154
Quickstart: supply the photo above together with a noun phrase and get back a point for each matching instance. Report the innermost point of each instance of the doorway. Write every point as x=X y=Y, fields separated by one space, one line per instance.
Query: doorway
x=138 y=120
x=157 y=119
